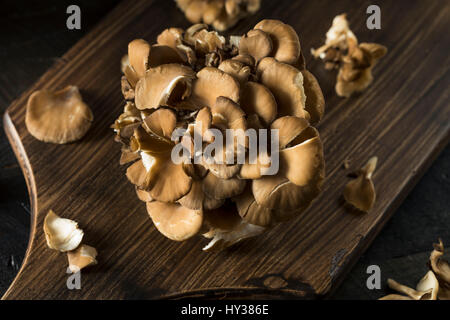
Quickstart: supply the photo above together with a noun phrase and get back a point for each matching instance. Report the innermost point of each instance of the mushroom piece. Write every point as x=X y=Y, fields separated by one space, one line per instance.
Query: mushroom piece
x=170 y=37
x=355 y=73
x=61 y=234
x=58 y=116
x=315 y=102
x=212 y=83
x=221 y=189
x=237 y=69
x=257 y=99
x=360 y=192
x=286 y=45
x=426 y=289
x=257 y=44
x=441 y=268
x=175 y=221
x=165 y=85
x=395 y=297
x=286 y=84
x=82 y=257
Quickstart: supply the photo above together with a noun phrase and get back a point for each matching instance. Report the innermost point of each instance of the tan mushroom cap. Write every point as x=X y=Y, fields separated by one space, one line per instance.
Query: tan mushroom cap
x=251 y=211
x=82 y=257
x=164 y=85
x=256 y=43
x=196 y=199
x=212 y=11
x=246 y=59
x=286 y=84
x=170 y=37
x=143 y=195
x=142 y=56
x=416 y=294
x=286 y=45
x=212 y=83
x=360 y=192
x=237 y=69
x=61 y=234
x=256 y=98
x=441 y=269
x=58 y=117
x=289 y=128
x=315 y=102
x=162 y=122
x=194 y=11
x=221 y=189
x=175 y=221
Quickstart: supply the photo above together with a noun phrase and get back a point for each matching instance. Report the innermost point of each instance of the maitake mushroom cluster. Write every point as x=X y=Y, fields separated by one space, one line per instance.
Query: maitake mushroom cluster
x=196 y=76
x=220 y=14
x=354 y=61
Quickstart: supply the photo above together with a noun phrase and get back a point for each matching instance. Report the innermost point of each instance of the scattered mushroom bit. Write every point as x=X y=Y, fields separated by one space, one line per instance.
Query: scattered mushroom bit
x=58 y=116
x=64 y=235
x=222 y=83
x=360 y=192
x=354 y=61
x=221 y=14
x=434 y=285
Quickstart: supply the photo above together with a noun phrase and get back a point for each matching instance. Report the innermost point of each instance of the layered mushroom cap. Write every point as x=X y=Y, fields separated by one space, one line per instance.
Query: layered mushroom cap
x=58 y=116
x=188 y=127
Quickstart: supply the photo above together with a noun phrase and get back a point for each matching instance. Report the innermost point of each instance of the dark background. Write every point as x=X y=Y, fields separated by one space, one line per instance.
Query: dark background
x=33 y=35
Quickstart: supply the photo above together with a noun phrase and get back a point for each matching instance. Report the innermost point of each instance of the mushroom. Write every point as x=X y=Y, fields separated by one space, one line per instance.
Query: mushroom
x=82 y=257
x=212 y=83
x=427 y=288
x=61 y=234
x=58 y=116
x=441 y=268
x=256 y=81
x=165 y=85
x=360 y=192
x=286 y=45
x=256 y=43
x=175 y=221
x=286 y=84
x=258 y=99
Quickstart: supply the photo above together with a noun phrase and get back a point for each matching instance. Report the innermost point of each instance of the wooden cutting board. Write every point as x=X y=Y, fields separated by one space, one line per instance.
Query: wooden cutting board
x=403 y=118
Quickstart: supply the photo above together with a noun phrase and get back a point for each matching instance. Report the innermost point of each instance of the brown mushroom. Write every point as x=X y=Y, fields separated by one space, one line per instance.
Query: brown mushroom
x=286 y=84
x=82 y=257
x=175 y=221
x=237 y=69
x=441 y=268
x=212 y=83
x=58 y=117
x=286 y=45
x=164 y=85
x=257 y=99
x=360 y=192
x=315 y=102
x=256 y=43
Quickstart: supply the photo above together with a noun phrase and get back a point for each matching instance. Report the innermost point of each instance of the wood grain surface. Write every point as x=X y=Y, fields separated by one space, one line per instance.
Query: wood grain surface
x=403 y=118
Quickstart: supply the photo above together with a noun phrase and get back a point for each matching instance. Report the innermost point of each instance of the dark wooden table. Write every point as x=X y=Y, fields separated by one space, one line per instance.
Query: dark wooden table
x=34 y=35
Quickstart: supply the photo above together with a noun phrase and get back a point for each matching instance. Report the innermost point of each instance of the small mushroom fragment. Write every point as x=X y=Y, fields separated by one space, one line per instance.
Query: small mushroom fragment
x=61 y=234
x=360 y=192
x=441 y=268
x=58 y=116
x=355 y=61
x=427 y=289
x=82 y=257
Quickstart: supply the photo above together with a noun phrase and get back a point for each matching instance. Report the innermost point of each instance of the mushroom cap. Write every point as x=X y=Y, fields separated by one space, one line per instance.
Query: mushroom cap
x=212 y=11
x=170 y=37
x=257 y=99
x=212 y=83
x=251 y=212
x=222 y=189
x=175 y=221
x=61 y=234
x=82 y=257
x=315 y=102
x=427 y=283
x=256 y=43
x=162 y=122
x=58 y=117
x=163 y=85
x=237 y=69
x=286 y=84
x=286 y=44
